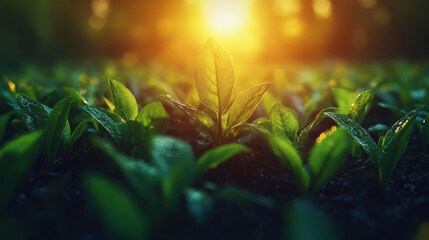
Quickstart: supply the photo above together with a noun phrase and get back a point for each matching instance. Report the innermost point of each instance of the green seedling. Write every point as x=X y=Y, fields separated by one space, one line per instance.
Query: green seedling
x=171 y=167
x=390 y=147
x=326 y=159
x=126 y=125
x=54 y=122
x=214 y=80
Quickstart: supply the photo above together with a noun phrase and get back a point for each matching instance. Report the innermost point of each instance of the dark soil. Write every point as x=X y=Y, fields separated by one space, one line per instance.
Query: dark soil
x=51 y=205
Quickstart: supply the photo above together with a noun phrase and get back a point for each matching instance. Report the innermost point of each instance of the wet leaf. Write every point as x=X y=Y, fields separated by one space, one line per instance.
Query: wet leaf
x=360 y=106
x=105 y=121
x=344 y=98
x=303 y=136
x=358 y=133
x=154 y=117
x=33 y=113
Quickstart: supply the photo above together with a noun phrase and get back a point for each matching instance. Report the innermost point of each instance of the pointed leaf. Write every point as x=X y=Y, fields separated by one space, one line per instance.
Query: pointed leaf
x=105 y=121
x=198 y=116
x=124 y=101
x=33 y=113
x=360 y=105
x=358 y=133
x=76 y=134
x=154 y=117
x=287 y=154
x=395 y=144
x=214 y=157
x=245 y=104
x=284 y=123
x=327 y=158
x=344 y=98
x=214 y=76
x=56 y=123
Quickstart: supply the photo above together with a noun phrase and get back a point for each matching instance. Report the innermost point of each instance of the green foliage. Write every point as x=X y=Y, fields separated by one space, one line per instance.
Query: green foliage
x=116 y=208
x=56 y=123
x=214 y=80
x=33 y=113
x=16 y=159
x=124 y=101
x=390 y=148
x=326 y=159
x=306 y=221
x=214 y=157
x=283 y=122
x=4 y=120
x=78 y=131
x=303 y=136
x=104 y=120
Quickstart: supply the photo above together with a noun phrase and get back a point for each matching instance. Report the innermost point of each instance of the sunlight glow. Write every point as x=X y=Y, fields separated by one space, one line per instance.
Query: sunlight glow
x=322 y=8
x=226 y=16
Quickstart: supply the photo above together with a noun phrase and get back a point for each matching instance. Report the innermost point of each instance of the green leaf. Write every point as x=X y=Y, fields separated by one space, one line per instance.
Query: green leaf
x=327 y=158
x=245 y=104
x=76 y=134
x=394 y=145
x=154 y=117
x=175 y=160
x=75 y=95
x=360 y=106
x=56 y=123
x=268 y=102
x=33 y=113
x=144 y=178
x=214 y=76
x=344 y=98
x=214 y=157
x=303 y=136
x=358 y=133
x=124 y=101
x=287 y=154
x=105 y=121
x=116 y=208
x=196 y=115
x=283 y=122
x=306 y=221
x=16 y=159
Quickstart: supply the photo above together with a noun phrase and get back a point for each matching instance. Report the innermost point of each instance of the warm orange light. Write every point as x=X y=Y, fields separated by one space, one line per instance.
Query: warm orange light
x=293 y=27
x=322 y=8
x=286 y=7
x=226 y=16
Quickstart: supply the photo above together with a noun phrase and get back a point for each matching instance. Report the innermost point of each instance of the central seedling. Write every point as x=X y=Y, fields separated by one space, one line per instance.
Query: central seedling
x=214 y=80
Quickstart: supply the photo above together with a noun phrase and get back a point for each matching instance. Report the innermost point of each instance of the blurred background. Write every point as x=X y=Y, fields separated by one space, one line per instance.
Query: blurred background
x=173 y=32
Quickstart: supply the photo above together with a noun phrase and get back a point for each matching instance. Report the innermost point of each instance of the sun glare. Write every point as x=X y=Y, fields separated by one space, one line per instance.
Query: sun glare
x=226 y=16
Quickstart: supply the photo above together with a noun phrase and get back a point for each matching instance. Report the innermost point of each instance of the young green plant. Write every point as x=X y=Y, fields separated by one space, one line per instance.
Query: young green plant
x=214 y=81
x=390 y=147
x=326 y=159
x=126 y=124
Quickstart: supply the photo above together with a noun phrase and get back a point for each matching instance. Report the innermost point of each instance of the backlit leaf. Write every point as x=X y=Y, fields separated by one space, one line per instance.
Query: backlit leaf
x=360 y=106
x=214 y=76
x=327 y=158
x=124 y=101
x=245 y=104
x=105 y=121
x=283 y=122
x=154 y=117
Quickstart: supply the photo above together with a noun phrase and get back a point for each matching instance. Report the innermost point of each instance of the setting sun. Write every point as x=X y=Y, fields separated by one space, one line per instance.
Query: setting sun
x=225 y=16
